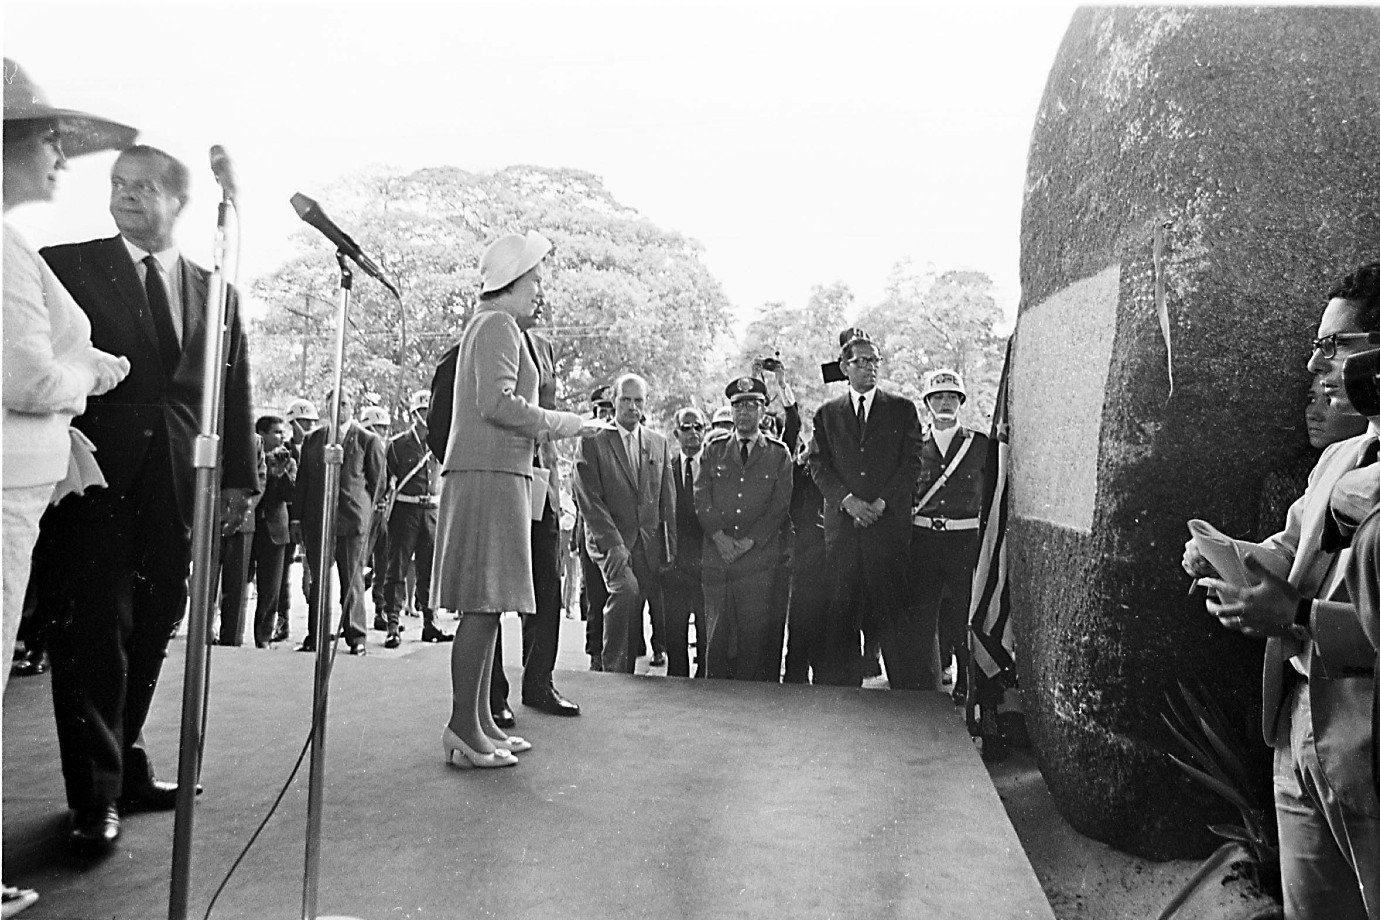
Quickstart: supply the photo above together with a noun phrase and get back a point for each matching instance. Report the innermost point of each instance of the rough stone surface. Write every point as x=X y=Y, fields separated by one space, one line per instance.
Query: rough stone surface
x=1251 y=137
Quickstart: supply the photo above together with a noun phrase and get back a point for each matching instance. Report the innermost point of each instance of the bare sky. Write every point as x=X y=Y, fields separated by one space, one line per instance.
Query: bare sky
x=800 y=142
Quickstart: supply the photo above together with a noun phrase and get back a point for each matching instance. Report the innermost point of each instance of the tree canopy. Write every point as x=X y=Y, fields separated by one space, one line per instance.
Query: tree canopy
x=622 y=293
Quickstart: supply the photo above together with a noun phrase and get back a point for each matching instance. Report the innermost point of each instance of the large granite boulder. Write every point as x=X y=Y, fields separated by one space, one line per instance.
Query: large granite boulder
x=1230 y=158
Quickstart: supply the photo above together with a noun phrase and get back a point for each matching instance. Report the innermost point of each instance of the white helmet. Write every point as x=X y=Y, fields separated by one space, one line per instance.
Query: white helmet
x=373 y=415
x=944 y=380
x=421 y=399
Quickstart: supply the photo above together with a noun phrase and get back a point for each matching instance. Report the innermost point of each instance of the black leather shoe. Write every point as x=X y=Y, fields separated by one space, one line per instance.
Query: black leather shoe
x=308 y=645
x=94 y=830
x=658 y=661
x=156 y=796
x=504 y=718
x=433 y=634
x=393 y=641
x=380 y=623
x=358 y=648
x=553 y=703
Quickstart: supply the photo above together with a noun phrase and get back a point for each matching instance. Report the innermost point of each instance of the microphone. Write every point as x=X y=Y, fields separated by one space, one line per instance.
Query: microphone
x=224 y=172
x=311 y=212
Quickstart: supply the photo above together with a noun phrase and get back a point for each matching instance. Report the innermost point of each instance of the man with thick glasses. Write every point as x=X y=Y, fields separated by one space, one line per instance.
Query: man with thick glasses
x=865 y=458
x=1318 y=686
x=683 y=594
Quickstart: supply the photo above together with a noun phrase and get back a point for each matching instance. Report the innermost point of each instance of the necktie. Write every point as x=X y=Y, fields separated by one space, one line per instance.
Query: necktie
x=862 y=417
x=1338 y=528
x=743 y=452
x=689 y=475
x=630 y=447
x=168 y=347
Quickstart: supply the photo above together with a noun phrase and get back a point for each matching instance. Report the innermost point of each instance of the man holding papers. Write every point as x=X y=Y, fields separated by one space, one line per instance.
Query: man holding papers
x=1319 y=665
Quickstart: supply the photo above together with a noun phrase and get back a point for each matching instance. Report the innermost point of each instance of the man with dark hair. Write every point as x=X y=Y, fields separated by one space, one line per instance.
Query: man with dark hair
x=112 y=564
x=1318 y=686
x=269 y=552
x=865 y=459
x=593 y=593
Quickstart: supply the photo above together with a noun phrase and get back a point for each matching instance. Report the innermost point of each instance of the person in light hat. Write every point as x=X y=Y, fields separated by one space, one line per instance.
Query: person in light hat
x=301 y=416
x=376 y=421
x=743 y=499
x=50 y=365
x=722 y=419
x=944 y=538
x=483 y=537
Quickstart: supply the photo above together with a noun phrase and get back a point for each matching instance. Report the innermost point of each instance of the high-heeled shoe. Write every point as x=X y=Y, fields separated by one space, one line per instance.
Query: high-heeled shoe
x=468 y=757
x=512 y=743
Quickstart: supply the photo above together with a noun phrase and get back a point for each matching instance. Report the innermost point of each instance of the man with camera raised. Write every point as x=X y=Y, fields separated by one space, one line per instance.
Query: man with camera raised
x=1319 y=674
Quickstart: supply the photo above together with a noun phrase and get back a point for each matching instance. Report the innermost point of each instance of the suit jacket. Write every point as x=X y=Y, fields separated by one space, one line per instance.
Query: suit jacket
x=362 y=479
x=1340 y=680
x=689 y=533
x=495 y=416
x=121 y=423
x=272 y=512
x=620 y=509
x=884 y=464
x=544 y=354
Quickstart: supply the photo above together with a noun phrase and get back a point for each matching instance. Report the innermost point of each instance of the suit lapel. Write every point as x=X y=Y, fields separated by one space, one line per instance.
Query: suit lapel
x=195 y=287
x=615 y=442
x=1310 y=563
x=124 y=280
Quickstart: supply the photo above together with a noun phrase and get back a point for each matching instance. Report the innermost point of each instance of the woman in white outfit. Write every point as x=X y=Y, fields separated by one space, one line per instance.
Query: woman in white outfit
x=50 y=366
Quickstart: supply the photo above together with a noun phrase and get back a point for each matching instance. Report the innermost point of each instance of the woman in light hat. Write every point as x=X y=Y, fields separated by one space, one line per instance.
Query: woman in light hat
x=484 y=530
x=50 y=366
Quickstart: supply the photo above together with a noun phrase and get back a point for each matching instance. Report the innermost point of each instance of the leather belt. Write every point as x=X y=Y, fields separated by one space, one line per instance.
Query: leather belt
x=417 y=499
x=943 y=523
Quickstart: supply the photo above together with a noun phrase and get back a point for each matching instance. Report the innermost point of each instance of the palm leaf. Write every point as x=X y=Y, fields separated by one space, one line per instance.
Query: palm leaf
x=1215 y=784
x=1222 y=856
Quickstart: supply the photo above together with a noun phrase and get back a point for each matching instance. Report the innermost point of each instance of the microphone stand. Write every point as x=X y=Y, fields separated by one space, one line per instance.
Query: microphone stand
x=205 y=566
x=334 y=455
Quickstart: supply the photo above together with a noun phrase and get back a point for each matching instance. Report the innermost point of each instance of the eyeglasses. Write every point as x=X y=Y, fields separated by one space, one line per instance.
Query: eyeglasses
x=1327 y=345
x=692 y=426
x=866 y=362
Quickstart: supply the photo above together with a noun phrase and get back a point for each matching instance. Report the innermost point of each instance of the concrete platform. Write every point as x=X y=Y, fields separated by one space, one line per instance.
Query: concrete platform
x=667 y=798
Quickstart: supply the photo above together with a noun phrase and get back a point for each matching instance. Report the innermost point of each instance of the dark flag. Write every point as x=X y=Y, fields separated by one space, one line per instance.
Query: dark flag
x=989 y=618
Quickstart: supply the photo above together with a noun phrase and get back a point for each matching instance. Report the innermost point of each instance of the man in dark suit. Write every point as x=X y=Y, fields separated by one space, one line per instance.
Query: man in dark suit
x=623 y=487
x=593 y=593
x=301 y=418
x=269 y=552
x=684 y=594
x=112 y=565
x=865 y=459
x=361 y=485
x=541 y=631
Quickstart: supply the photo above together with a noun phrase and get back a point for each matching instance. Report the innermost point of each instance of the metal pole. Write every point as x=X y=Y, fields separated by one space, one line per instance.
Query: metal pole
x=334 y=457
x=205 y=567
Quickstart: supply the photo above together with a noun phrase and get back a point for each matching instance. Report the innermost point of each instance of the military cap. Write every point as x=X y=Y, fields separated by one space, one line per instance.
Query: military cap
x=741 y=388
x=599 y=396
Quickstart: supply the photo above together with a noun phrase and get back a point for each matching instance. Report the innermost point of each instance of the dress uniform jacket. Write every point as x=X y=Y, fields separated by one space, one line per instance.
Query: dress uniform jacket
x=960 y=498
x=749 y=501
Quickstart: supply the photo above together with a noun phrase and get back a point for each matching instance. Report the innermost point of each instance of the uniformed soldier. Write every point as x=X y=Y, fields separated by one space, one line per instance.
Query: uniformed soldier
x=414 y=476
x=722 y=419
x=743 y=497
x=944 y=539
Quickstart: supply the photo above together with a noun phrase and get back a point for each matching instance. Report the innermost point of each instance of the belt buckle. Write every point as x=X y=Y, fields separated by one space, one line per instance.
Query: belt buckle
x=939 y=523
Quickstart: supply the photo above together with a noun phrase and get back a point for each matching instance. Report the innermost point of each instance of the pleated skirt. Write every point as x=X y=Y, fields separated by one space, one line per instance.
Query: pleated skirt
x=483 y=560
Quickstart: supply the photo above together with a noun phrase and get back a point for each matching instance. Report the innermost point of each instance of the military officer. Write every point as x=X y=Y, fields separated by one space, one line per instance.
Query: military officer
x=414 y=475
x=742 y=498
x=944 y=538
